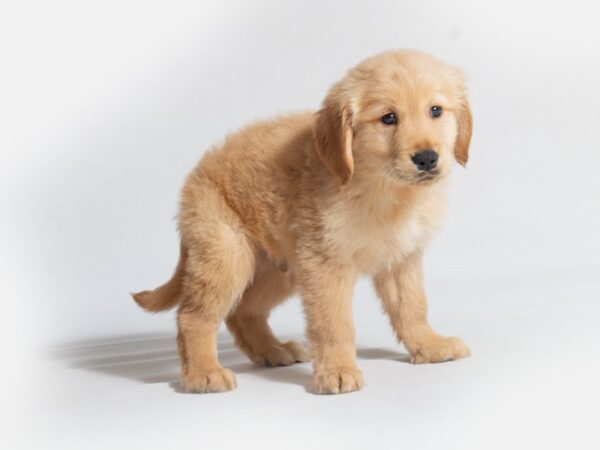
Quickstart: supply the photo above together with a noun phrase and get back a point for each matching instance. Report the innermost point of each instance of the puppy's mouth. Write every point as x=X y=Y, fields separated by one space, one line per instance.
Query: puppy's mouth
x=426 y=177
x=418 y=178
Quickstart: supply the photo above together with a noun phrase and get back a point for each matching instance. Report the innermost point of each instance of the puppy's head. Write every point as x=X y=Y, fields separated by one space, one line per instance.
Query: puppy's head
x=402 y=115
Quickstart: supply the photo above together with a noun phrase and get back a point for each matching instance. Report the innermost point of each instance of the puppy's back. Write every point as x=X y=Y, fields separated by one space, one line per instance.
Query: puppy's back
x=257 y=171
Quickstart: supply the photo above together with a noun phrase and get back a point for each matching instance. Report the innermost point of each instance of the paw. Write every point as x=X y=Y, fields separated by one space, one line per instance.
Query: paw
x=438 y=349
x=337 y=381
x=280 y=355
x=299 y=353
x=213 y=380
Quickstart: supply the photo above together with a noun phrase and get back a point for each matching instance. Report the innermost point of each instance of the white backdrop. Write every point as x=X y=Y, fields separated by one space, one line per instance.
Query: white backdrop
x=111 y=104
x=105 y=106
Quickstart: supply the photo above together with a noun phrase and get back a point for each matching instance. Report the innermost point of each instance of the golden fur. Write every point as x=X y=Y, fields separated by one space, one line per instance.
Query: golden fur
x=309 y=202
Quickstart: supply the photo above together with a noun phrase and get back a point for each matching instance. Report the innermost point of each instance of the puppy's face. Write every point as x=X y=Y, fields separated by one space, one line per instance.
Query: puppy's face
x=399 y=116
x=406 y=125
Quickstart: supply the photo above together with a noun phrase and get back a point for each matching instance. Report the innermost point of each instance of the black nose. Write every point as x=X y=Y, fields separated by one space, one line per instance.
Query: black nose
x=425 y=159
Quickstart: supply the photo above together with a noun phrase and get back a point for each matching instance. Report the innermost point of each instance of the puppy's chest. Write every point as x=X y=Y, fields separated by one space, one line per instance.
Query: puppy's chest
x=388 y=245
x=373 y=245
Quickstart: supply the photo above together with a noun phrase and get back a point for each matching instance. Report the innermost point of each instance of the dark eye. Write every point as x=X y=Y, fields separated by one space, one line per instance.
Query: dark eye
x=435 y=111
x=389 y=119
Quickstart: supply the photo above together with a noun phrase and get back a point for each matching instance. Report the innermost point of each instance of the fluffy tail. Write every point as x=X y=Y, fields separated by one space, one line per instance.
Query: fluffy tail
x=165 y=296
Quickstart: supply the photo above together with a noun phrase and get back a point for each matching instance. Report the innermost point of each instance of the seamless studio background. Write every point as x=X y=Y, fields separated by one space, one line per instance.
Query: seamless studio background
x=107 y=105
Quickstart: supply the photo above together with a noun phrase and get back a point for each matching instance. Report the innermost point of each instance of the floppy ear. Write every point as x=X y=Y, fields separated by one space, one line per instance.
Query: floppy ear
x=333 y=136
x=465 y=128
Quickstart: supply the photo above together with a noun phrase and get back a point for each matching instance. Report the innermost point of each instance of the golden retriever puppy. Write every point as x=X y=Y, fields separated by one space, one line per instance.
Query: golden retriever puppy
x=308 y=202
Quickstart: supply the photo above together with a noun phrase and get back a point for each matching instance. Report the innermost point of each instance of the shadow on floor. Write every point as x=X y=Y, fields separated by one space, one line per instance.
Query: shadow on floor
x=152 y=358
x=382 y=353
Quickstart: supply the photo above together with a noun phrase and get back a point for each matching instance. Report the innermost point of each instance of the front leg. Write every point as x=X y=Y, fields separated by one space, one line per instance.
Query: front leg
x=326 y=290
x=402 y=294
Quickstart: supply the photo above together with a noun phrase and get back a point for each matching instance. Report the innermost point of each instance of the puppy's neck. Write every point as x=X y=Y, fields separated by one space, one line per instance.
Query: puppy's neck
x=388 y=201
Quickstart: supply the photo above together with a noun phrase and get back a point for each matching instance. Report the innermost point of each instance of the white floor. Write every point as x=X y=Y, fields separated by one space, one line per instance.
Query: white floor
x=532 y=382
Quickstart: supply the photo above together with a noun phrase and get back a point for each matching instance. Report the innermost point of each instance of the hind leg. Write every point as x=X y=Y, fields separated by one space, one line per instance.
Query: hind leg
x=220 y=265
x=249 y=325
